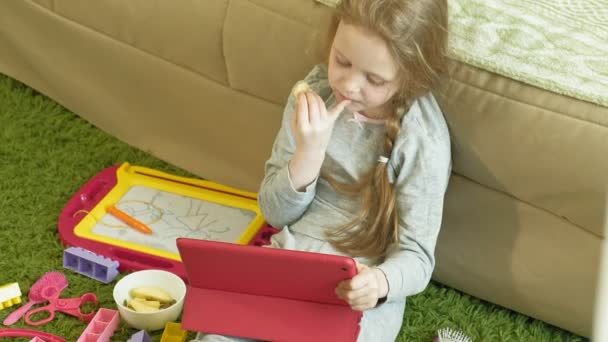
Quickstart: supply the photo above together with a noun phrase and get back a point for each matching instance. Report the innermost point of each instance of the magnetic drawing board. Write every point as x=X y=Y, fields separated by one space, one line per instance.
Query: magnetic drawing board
x=172 y=215
x=172 y=207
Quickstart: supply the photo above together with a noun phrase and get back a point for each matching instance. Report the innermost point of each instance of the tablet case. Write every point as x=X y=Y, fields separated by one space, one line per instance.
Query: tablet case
x=268 y=294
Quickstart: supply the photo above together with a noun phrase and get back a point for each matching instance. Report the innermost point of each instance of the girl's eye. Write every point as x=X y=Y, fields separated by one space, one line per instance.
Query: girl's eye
x=342 y=62
x=375 y=82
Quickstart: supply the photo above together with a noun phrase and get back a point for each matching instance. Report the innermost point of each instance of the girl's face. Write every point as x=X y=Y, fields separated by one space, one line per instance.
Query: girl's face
x=362 y=70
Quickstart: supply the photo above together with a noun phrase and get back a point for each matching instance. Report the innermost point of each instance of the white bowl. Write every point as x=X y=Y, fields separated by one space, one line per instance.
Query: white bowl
x=150 y=321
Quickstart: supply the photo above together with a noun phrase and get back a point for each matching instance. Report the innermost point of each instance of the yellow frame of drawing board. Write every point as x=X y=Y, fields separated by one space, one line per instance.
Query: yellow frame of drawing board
x=128 y=176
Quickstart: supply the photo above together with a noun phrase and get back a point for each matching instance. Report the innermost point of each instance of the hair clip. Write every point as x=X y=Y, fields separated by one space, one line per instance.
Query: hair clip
x=382 y=159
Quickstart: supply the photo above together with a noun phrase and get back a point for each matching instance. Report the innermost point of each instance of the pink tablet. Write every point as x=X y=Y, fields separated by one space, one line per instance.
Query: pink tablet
x=266 y=293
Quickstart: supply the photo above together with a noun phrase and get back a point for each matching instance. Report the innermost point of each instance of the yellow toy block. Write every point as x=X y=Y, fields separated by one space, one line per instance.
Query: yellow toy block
x=10 y=294
x=173 y=333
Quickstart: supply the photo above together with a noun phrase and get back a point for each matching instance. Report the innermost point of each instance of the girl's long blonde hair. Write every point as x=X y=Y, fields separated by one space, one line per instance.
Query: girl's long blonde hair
x=415 y=32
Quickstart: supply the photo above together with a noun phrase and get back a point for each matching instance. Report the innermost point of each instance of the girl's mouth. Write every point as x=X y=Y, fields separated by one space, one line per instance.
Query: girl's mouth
x=342 y=97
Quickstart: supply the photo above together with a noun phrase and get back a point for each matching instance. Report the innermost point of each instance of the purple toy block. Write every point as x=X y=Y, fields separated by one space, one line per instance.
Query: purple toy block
x=140 y=336
x=101 y=327
x=90 y=264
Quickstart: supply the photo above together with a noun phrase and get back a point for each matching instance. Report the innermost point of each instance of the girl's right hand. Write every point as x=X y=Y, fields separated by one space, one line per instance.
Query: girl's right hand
x=312 y=123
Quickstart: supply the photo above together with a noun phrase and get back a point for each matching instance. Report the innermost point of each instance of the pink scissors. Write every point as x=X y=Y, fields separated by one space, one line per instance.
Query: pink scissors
x=70 y=306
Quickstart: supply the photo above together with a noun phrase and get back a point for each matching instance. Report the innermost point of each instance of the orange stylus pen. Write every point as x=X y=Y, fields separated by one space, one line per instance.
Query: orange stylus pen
x=130 y=221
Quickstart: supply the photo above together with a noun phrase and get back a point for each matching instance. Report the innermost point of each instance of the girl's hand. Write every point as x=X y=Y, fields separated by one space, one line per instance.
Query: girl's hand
x=312 y=123
x=363 y=290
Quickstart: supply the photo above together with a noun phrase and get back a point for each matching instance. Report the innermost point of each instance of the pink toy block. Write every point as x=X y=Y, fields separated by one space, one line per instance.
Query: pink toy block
x=37 y=339
x=102 y=326
x=173 y=333
x=90 y=264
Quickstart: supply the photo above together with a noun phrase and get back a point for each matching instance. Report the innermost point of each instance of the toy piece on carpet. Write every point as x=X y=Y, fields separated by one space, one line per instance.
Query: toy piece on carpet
x=140 y=336
x=70 y=306
x=50 y=278
x=10 y=294
x=90 y=264
x=173 y=333
x=451 y=335
x=102 y=326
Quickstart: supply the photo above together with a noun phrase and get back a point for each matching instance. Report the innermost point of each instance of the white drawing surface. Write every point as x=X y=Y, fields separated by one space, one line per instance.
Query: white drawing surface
x=171 y=216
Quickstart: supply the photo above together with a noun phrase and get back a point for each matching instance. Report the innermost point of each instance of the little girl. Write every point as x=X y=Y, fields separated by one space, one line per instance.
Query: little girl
x=361 y=163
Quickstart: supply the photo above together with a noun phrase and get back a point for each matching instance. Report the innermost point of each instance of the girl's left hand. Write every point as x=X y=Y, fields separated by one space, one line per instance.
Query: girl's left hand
x=363 y=290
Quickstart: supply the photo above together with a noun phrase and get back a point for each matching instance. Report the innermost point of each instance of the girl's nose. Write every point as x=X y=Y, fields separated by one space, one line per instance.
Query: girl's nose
x=351 y=84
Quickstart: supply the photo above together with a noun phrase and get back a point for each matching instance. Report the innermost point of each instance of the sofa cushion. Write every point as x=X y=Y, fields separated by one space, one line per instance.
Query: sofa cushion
x=545 y=149
x=261 y=28
x=187 y=33
x=521 y=257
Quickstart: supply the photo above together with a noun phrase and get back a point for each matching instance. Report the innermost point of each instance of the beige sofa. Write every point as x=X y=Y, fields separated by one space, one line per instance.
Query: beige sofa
x=202 y=83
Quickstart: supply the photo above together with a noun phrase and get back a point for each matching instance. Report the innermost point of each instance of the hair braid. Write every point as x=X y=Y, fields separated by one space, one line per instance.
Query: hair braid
x=362 y=236
x=416 y=34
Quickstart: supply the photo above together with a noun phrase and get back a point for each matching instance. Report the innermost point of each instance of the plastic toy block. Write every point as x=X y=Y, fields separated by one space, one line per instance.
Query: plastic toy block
x=90 y=264
x=10 y=294
x=140 y=336
x=101 y=327
x=173 y=333
x=37 y=339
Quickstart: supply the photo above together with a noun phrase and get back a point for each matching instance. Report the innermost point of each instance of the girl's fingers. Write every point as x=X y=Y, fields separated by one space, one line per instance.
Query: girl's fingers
x=360 y=267
x=337 y=109
x=361 y=299
x=362 y=307
x=302 y=111
x=361 y=280
x=354 y=287
x=316 y=110
x=320 y=106
x=313 y=108
x=357 y=296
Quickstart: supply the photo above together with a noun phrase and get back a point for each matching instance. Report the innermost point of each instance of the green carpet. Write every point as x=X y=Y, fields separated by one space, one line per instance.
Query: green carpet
x=47 y=153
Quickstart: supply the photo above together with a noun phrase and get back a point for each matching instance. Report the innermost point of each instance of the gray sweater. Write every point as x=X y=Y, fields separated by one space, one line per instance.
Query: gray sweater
x=419 y=168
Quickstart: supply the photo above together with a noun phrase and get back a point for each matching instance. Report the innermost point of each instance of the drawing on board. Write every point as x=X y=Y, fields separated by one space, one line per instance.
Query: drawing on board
x=170 y=216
